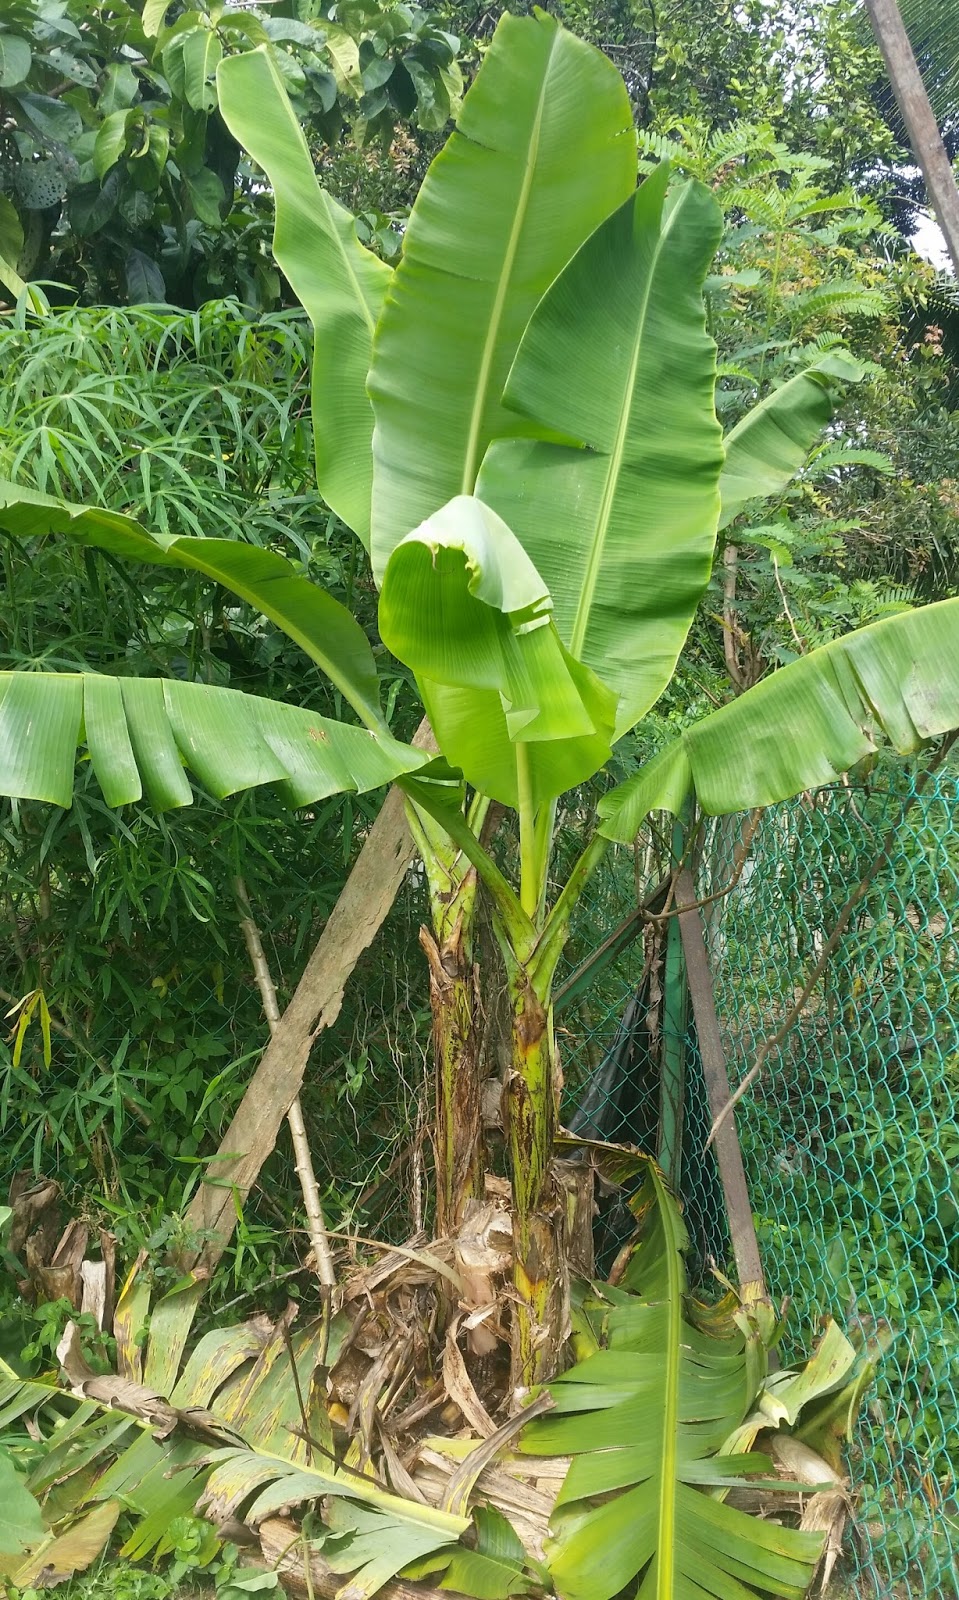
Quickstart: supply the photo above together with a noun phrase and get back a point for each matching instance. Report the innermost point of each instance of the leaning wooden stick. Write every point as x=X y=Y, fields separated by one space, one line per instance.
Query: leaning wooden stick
x=315 y=1225
x=363 y=904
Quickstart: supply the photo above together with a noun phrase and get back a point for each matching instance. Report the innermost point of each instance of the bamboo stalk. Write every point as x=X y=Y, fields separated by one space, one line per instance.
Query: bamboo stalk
x=315 y=1224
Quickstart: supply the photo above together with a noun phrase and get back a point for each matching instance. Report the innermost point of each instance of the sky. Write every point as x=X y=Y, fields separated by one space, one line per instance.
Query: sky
x=929 y=243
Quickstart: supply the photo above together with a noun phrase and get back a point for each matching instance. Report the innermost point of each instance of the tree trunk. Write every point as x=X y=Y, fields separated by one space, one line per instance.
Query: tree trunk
x=458 y=1133
x=918 y=115
x=540 y=1266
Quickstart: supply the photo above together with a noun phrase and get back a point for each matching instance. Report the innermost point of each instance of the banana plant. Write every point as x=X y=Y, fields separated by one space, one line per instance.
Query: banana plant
x=520 y=423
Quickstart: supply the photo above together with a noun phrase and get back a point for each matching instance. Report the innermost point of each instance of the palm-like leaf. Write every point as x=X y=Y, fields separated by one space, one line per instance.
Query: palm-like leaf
x=621 y=518
x=339 y=283
x=896 y=680
x=523 y=181
x=141 y=732
x=931 y=25
x=769 y=445
x=644 y=1420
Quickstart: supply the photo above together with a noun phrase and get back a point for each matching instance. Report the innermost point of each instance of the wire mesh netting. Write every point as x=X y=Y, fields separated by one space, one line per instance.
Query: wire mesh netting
x=851 y=1135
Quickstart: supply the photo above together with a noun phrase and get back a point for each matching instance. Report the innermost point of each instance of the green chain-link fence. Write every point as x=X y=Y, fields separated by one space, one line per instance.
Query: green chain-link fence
x=851 y=1135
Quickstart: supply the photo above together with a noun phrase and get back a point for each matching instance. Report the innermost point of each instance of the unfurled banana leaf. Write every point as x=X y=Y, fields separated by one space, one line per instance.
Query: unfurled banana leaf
x=621 y=519
x=463 y=605
x=543 y=151
x=769 y=445
x=339 y=283
x=896 y=680
x=320 y=625
x=140 y=733
x=643 y=1420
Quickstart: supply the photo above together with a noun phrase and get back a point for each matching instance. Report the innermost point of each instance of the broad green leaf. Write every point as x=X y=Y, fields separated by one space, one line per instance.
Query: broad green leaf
x=543 y=151
x=621 y=518
x=11 y=231
x=464 y=607
x=243 y=1581
x=111 y=142
x=140 y=733
x=494 y=1570
x=21 y=1525
x=55 y=119
x=170 y=1322
x=15 y=60
x=375 y=1544
x=769 y=445
x=120 y=88
x=154 y=15
x=644 y=1420
x=344 y=52
x=320 y=625
x=144 y=280
x=206 y=195
x=11 y=245
x=339 y=283
x=201 y=55
x=803 y=726
x=72 y=66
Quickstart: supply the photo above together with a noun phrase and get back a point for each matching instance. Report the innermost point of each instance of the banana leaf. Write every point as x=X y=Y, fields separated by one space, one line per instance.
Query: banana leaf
x=139 y=734
x=800 y=728
x=543 y=151
x=769 y=445
x=320 y=625
x=620 y=518
x=463 y=605
x=61 y=1555
x=339 y=283
x=21 y=1525
x=643 y=1421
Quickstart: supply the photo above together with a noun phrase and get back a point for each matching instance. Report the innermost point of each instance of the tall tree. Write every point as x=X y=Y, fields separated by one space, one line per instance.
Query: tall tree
x=919 y=118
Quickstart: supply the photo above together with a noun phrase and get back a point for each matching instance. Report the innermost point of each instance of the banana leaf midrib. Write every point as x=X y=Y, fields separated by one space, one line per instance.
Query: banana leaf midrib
x=472 y=457
x=255 y=597
x=670 y=1452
